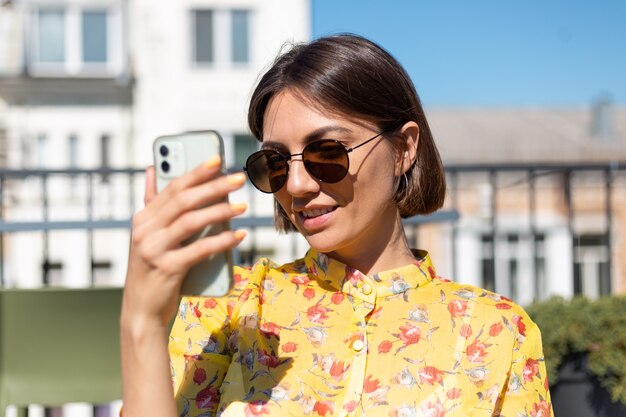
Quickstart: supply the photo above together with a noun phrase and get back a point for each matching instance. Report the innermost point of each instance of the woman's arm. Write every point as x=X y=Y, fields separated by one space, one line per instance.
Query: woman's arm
x=156 y=268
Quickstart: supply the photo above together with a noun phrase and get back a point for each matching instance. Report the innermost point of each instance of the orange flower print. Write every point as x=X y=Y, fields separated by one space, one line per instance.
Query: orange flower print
x=495 y=329
x=519 y=322
x=453 y=393
x=195 y=310
x=466 y=331
x=433 y=409
x=245 y=294
x=531 y=369
x=430 y=375
x=269 y=329
x=309 y=293
x=289 y=347
x=476 y=352
x=353 y=275
x=384 y=346
x=503 y=306
x=257 y=408
x=541 y=409
x=324 y=407
x=317 y=313
x=208 y=397
x=338 y=370
x=457 y=308
x=337 y=297
x=210 y=303
x=350 y=406
x=268 y=359
x=300 y=280
x=410 y=334
x=370 y=385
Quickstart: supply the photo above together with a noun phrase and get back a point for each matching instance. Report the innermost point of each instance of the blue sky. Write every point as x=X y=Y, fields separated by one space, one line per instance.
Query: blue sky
x=495 y=52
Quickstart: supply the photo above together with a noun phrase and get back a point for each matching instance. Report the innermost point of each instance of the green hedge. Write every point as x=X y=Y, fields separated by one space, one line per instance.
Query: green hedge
x=597 y=328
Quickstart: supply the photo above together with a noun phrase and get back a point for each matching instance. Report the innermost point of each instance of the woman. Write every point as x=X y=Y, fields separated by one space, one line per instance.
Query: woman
x=361 y=325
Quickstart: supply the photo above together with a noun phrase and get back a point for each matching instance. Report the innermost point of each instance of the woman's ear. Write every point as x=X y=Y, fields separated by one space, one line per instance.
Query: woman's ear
x=407 y=152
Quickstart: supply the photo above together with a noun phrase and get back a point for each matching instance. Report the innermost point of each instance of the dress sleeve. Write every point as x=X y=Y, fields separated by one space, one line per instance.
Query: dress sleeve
x=527 y=393
x=198 y=348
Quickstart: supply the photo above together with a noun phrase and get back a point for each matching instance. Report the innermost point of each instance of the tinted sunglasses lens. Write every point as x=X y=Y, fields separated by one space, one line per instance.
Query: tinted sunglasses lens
x=326 y=160
x=267 y=170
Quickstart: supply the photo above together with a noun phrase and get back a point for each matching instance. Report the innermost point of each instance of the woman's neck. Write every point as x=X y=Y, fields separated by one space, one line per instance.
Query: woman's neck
x=387 y=252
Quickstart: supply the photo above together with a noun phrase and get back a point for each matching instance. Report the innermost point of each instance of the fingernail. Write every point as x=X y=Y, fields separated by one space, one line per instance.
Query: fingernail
x=239 y=207
x=213 y=162
x=236 y=179
x=240 y=234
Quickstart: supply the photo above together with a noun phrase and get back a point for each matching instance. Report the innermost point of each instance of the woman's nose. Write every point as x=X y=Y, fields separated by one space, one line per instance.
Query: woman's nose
x=299 y=181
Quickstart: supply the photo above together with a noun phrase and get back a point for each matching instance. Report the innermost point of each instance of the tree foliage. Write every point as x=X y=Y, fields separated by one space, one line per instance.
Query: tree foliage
x=596 y=328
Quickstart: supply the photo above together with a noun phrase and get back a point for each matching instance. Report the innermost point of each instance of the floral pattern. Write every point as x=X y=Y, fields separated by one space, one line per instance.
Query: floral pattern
x=318 y=338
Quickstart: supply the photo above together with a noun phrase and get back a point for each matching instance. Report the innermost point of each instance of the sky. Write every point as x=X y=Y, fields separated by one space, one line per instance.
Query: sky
x=557 y=53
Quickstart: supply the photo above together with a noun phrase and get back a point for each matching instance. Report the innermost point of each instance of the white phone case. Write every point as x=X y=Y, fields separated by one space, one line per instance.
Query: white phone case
x=175 y=155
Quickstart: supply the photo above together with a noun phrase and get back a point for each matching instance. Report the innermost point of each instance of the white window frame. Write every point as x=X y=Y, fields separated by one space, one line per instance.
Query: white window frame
x=222 y=38
x=74 y=64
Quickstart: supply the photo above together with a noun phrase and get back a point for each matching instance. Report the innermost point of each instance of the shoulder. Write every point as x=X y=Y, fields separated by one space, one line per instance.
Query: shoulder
x=482 y=305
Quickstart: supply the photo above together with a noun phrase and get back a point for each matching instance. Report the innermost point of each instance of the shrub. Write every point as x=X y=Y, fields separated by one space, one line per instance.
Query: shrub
x=580 y=326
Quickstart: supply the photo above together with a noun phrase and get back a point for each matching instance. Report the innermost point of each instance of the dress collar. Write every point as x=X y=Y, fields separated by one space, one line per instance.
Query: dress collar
x=385 y=283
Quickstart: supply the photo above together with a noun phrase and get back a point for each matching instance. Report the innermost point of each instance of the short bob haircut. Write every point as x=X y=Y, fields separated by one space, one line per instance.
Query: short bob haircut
x=349 y=75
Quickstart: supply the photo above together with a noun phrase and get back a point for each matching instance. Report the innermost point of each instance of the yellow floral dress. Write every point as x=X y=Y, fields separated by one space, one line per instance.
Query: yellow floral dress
x=317 y=338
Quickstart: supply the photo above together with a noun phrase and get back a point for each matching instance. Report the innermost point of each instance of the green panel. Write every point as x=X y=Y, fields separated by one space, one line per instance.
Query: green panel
x=59 y=346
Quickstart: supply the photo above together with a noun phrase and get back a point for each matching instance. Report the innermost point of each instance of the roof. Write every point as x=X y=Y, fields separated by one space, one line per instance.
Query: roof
x=500 y=135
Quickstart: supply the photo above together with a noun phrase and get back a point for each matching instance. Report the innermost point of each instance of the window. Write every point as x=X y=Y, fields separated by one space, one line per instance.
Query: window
x=244 y=146
x=220 y=37
x=51 y=35
x=239 y=35
x=591 y=265
x=94 y=31
x=75 y=40
x=203 y=36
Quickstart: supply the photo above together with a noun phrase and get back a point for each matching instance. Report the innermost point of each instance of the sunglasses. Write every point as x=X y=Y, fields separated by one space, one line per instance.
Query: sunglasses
x=326 y=160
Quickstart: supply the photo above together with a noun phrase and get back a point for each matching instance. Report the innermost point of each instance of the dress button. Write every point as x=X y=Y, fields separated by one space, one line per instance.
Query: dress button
x=358 y=345
x=366 y=289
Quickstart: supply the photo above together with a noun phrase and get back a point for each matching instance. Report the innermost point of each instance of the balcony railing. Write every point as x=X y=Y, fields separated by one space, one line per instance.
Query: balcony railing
x=504 y=227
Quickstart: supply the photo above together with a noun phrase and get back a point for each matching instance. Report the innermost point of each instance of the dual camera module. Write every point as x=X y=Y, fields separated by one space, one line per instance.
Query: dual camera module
x=164 y=151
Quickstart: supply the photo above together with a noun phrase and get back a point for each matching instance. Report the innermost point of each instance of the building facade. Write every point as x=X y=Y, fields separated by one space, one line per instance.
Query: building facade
x=89 y=84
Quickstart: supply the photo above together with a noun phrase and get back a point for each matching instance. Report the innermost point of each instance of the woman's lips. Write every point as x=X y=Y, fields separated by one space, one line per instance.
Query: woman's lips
x=316 y=218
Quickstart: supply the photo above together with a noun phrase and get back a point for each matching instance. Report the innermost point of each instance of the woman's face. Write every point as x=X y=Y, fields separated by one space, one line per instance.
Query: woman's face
x=352 y=217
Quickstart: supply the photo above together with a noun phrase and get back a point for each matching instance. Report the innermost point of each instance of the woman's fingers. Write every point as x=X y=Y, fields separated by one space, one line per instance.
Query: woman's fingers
x=189 y=255
x=150 y=188
x=162 y=240
x=196 y=220
x=176 y=204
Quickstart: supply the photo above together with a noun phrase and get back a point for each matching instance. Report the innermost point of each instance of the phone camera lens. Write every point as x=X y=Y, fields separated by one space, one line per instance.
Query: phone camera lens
x=165 y=166
x=163 y=150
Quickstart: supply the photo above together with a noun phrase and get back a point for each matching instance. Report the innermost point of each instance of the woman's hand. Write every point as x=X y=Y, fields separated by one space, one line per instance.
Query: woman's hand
x=157 y=265
x=157 y=261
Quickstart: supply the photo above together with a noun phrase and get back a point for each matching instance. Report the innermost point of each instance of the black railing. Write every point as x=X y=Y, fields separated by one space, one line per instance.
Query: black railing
x=478 y=193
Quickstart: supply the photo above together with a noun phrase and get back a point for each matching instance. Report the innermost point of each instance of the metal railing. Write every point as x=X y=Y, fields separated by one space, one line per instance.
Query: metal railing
x=491 y=185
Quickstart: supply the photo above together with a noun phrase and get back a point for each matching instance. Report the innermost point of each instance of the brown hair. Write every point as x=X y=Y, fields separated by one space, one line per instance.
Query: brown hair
x=351 y=75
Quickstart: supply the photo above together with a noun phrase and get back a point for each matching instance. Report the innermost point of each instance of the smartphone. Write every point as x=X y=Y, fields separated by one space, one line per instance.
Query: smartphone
x=175 y=155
